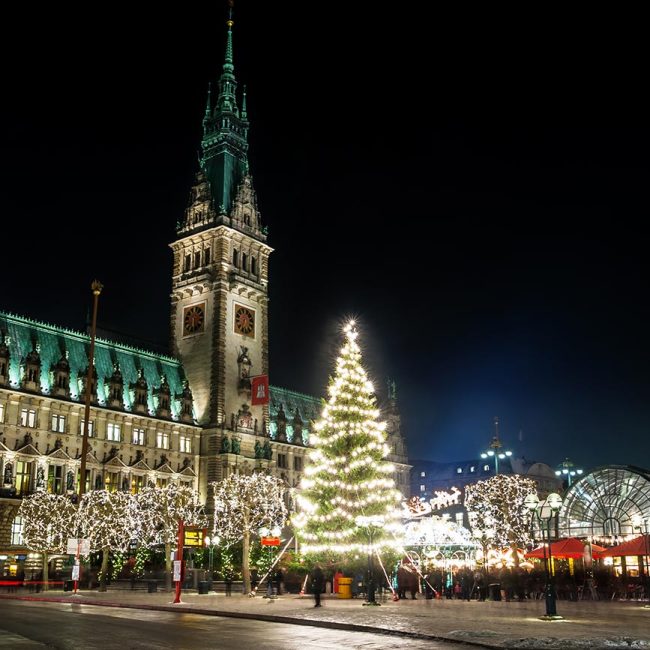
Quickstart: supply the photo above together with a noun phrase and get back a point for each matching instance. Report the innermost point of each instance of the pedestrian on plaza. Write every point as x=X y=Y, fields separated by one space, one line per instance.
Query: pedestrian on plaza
x=414 y=581
x=227 y=579
x=278 y=578
x=317 y=581
x=402 y=581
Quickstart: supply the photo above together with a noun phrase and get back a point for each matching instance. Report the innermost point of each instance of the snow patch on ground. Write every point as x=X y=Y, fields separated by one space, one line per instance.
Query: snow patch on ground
x=552 y=643
x=472 y=633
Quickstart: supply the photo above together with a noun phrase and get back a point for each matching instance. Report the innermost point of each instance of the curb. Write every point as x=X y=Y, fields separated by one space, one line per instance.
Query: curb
x=269 y=618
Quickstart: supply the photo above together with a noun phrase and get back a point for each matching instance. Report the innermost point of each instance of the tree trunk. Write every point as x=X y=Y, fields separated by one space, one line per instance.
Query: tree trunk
x=515 y=554
x=45 y=577
x=168 y=566
x=102 y=582
x=245 y=561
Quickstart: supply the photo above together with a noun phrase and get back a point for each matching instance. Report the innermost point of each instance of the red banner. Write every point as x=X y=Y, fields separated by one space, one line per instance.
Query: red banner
x=270 y=541
x=260 y=390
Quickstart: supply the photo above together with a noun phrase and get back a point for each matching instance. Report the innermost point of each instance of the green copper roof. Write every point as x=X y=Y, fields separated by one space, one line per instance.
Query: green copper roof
x=308 y=406
x=54 y=342
x=224 y=155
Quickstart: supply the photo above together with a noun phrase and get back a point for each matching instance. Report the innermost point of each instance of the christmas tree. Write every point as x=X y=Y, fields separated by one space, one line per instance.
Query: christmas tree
x=348 y=500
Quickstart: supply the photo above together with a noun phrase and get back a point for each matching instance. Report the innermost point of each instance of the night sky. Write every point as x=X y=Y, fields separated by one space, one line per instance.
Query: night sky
x=475 y=194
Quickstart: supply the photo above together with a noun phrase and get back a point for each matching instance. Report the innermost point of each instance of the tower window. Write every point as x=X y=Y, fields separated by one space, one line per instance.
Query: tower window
x=253 y=266
x=459 y=470
x=486 y=468
x=423 y=488
x=188 y=263
x=197 y=259
x=235 y=257
x=423 y=474
x=244 y=262
x=206 y=256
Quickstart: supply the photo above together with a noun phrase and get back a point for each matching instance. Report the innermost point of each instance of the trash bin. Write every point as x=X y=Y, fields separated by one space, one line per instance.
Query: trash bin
x=345 y=587
x=204 y=586
x=152 y=586
x=68 y=585
x=494 y=591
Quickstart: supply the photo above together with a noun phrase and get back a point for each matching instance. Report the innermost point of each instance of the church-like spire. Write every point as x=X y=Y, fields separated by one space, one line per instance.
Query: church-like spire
x=225 y=133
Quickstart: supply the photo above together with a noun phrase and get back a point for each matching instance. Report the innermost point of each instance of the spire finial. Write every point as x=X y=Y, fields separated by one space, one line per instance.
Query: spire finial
x=244 y=114
x=208 y=104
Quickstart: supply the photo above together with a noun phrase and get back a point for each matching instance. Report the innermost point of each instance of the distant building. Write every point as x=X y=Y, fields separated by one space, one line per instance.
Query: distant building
x=433 y=482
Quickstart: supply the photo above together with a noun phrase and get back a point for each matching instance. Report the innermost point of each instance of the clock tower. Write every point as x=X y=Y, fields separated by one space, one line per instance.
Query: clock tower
x=219 y=301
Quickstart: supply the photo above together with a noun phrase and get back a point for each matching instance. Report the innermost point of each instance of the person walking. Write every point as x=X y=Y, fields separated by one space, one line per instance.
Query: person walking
x=317 y=581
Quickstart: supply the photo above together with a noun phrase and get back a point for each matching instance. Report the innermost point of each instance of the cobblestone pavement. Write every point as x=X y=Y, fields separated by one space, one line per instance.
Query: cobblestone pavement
x=493 y=624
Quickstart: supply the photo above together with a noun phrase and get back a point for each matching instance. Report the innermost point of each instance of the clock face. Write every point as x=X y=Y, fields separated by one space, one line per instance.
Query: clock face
x=193 y=319
x=244 y=321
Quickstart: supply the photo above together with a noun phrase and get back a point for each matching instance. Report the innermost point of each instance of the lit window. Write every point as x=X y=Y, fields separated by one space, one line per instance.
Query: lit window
x=459 y=518
x=90 y=428
x=113 y=432
x=472 y=469
x=185 y=444
x=423 y=488
x=137 y=483
x=2 y=412
x=58 y=423
x=17 y=531
x=138 y=436
x=423 y=474
x=28 y=418
x=459 y=470
x=486 y=468
x=162 y=440
x=55 y=479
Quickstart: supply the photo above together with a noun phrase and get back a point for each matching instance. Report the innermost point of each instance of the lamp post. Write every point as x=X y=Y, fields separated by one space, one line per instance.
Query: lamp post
x=568 y=470
x=494 y=448
x=641 y=524
x=370 y=523
x=211 y=542
x=544 y=511
x=96 y=287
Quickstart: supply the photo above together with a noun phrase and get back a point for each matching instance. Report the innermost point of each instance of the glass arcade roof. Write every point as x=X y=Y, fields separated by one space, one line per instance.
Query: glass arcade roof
x=605 y=502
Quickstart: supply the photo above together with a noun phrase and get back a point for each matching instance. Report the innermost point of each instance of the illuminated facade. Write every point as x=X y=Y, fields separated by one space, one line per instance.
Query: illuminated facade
x=187 y=417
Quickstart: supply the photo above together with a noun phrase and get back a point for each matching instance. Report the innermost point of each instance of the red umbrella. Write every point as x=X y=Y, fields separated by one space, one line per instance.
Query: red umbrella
x=566 y=548
x=637 y=546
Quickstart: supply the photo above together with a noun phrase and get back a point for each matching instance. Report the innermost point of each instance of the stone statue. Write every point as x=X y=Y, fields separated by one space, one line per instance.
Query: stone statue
x=236 y=445
x=9 y=474
x=245 y=417
x=281 y=420
x=225 y=445
x=297 y=428
x=259 y=452
x=244 y=363
x=40 y=478
x=69 y=482
x=268 y=452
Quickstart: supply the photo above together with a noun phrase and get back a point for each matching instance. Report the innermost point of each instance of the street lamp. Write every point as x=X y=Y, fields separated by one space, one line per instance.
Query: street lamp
x=493 y=450
x=544 y=511
x=568 y=470
x=370 y=523
x=641 y=524
x=211 y=542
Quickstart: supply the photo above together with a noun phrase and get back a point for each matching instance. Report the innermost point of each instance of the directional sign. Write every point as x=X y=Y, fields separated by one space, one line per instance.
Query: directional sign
x=74 y=544
x=75 y=572
x=270 y=541
x=177 y=571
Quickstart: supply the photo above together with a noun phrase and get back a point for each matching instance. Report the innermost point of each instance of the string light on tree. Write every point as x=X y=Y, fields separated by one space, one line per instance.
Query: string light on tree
x=49 y=520
x=243 y=505
x=347 y=480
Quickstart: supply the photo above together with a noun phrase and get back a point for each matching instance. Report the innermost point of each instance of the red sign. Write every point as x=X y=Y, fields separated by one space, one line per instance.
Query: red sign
x=270 y=541
x=260 y=389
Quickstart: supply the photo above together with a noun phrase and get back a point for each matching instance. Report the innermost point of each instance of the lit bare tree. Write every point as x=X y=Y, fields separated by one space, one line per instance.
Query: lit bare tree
x=243 y=505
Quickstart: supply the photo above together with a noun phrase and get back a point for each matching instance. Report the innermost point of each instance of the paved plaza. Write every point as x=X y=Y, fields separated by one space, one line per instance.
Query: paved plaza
x=500 y=624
